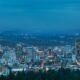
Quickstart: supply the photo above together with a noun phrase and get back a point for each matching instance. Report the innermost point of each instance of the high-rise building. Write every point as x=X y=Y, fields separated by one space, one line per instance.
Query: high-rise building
x=77 y=51
x=9 y=58
x=31 y=54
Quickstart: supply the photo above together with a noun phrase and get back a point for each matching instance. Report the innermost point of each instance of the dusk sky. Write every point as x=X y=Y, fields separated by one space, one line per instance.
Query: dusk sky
x=53 y=16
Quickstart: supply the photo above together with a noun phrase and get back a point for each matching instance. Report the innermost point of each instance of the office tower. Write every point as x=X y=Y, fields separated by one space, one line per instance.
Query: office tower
x=77 y=50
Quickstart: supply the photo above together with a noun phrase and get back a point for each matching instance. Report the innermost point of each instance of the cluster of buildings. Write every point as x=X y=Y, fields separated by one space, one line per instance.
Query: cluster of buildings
x=26 y=58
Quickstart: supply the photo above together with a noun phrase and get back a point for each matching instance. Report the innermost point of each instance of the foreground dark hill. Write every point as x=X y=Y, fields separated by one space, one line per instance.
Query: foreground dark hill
x=61 y=74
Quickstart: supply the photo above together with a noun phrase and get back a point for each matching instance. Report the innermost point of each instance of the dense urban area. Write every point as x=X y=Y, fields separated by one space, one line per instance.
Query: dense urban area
x=31 y=54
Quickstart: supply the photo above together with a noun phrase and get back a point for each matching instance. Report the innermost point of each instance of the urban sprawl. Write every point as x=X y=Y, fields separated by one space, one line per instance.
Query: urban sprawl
x=25 y=58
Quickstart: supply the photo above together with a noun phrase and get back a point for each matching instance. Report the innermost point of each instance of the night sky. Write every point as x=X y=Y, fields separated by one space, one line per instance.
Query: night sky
x=43 y=16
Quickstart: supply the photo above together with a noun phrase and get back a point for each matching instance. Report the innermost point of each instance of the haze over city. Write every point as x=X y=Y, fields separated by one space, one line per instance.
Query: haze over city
x=43 y=16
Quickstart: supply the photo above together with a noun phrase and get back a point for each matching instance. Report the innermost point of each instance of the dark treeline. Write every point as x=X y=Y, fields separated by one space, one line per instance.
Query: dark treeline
x=61 y=74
